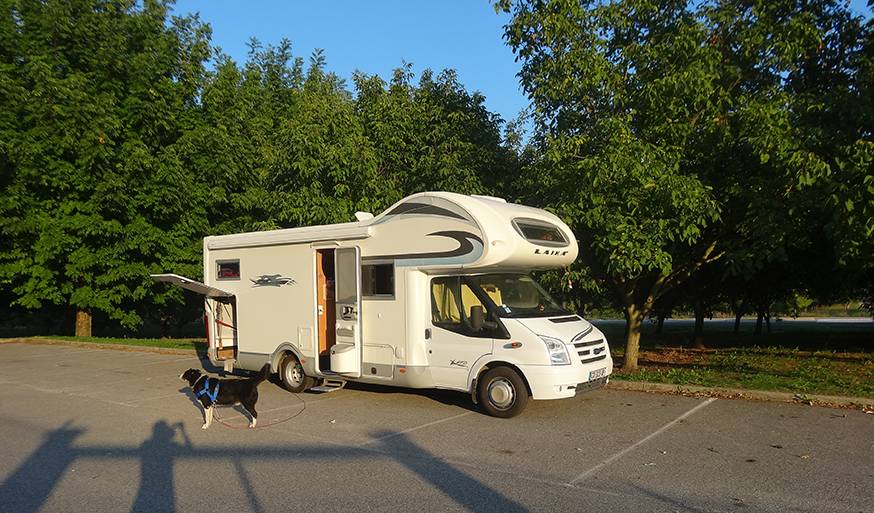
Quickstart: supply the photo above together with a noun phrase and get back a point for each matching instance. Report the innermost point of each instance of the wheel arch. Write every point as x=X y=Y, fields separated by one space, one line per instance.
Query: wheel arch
x=284 y=349
x=488 y=365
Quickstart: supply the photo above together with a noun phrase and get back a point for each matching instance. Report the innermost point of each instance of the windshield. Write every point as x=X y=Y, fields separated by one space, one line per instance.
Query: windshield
x=517 y=295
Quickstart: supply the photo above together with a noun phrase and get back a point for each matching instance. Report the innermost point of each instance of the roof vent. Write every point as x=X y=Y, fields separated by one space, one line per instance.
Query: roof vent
x=363 y=216
x=491 y=198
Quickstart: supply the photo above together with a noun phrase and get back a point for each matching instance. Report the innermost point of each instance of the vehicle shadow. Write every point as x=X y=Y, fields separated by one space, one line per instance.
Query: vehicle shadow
x=447 y=397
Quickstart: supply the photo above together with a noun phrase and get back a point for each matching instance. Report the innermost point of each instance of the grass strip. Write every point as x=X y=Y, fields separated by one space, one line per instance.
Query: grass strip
x=167 y=343
x=779 y=370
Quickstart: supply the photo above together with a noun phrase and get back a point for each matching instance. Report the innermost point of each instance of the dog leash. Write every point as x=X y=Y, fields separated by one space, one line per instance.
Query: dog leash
x=259 y=426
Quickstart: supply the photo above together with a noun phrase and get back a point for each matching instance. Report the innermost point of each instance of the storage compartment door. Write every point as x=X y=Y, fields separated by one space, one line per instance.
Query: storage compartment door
x=192 y=285
x=346 y=352
x=220 y=316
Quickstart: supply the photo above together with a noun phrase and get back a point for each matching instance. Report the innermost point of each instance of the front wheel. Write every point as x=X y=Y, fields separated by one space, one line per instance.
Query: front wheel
x=292 y=375
x=502 y=393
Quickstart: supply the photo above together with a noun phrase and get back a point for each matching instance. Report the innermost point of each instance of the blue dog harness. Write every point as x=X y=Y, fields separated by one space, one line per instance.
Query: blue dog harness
x=205 y=391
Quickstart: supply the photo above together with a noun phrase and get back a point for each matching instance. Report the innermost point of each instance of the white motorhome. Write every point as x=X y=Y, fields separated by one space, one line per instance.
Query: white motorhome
x=435 y=292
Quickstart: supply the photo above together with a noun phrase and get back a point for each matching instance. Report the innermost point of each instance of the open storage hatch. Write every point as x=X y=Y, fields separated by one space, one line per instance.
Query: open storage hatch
x=220 y=317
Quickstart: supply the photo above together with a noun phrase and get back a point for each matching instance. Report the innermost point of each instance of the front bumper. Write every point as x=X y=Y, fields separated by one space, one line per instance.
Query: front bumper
x=564 y=381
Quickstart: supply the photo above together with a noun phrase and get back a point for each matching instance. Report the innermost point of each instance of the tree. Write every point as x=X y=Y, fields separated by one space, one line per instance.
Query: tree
x=834 y=106
x=652 y=119
x=432 y=136
x=94 y=196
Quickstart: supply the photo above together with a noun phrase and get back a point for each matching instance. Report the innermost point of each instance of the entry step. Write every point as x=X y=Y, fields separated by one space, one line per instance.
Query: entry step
x=329 y=385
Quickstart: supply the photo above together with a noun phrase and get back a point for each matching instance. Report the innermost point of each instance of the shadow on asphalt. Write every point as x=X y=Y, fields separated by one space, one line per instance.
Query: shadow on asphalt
x=447 y=397
x=28 y=487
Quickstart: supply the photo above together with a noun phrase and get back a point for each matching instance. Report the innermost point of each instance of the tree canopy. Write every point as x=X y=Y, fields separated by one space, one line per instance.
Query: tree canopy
x=681 y=127
x=703 y=152
x=126 y=138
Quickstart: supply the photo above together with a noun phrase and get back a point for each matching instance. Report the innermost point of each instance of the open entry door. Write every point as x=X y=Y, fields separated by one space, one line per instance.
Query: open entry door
x=220 y=315
x=346 y=352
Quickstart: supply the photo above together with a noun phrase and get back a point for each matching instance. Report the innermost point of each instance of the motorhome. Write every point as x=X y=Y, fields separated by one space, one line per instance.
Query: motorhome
x=435 y=292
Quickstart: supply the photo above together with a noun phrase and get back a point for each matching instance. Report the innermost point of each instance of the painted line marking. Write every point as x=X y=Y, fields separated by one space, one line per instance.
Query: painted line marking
x=416 y=428
x=637 y=444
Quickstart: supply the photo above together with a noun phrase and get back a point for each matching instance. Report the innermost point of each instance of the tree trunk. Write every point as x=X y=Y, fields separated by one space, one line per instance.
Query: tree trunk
x=164 y=326
x=633 y=324
x=83 y=323
x=661 y=324
x=698 y=336
x=737 y=316
x=760 y=315
x=768 y=321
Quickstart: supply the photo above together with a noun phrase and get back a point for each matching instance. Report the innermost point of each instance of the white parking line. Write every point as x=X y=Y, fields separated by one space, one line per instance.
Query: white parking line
x=637 y=444
x=415 y=428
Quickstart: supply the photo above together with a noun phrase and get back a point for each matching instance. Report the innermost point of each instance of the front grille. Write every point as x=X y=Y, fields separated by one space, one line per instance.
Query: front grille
x=585 y=350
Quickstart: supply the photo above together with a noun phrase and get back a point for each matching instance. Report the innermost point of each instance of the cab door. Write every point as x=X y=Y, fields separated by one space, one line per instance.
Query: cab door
x=346 y=351
x=453 y=343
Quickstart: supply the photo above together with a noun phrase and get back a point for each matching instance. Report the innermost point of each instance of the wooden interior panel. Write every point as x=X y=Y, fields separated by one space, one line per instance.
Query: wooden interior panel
x=325 y=293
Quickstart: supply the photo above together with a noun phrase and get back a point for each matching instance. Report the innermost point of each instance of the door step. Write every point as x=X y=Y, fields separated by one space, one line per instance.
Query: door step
x=329 y=385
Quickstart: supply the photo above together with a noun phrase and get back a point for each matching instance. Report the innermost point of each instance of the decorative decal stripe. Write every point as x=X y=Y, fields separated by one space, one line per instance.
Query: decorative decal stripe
x=271 y=280
x=422 y=208
x=465 y=247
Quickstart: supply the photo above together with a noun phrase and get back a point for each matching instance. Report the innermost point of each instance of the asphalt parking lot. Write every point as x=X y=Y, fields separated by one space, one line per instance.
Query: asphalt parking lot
x=103 y=430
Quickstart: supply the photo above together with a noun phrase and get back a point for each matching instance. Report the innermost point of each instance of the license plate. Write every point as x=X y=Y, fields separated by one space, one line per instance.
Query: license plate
x=598 y=373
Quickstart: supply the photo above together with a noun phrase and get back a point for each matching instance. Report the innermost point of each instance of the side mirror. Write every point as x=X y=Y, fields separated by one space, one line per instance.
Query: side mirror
x=477 y=317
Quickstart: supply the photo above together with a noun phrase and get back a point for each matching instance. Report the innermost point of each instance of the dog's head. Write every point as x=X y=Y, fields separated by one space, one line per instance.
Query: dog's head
x=191 y=376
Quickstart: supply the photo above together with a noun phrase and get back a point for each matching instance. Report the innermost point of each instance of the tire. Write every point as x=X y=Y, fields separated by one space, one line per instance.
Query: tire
x=502 y=392
x=292 y=376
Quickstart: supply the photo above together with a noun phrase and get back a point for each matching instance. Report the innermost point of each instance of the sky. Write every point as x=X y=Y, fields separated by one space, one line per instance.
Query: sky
x=377 y=36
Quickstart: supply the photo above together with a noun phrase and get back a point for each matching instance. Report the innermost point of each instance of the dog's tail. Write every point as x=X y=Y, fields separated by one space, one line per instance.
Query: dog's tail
x=263 y=374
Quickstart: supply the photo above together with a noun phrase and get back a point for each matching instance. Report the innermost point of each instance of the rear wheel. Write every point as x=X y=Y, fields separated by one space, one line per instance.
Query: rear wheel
x=292 y=375
x=502 y=392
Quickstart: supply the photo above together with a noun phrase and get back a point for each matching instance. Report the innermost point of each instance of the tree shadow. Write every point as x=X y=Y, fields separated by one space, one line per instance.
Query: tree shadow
x=468 y=492
x=675 y=504
x=27 y=489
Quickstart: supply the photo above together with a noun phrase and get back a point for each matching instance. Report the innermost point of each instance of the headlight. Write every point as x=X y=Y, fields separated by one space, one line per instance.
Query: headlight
x=557 y=351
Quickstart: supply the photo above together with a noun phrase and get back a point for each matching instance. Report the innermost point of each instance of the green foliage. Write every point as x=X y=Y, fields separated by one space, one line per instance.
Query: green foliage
x=94 y=197
x=762 y=369
x=672 y=135
x=434 y=136
x=120 y=151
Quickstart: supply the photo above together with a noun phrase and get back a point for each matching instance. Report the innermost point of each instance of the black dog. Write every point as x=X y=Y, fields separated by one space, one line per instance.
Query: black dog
x=212 y=391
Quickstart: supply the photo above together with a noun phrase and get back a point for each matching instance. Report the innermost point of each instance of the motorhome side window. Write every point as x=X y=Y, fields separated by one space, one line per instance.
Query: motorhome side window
x=451 y=304
x=540 y=232
x=227 y=270
x=378 y=280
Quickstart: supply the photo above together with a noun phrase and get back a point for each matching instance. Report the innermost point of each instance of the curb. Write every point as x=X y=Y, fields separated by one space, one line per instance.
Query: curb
x=739 y=393
x=94 y=345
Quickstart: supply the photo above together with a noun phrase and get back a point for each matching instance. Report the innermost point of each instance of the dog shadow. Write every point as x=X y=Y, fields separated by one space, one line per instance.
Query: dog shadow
x=187 y=392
